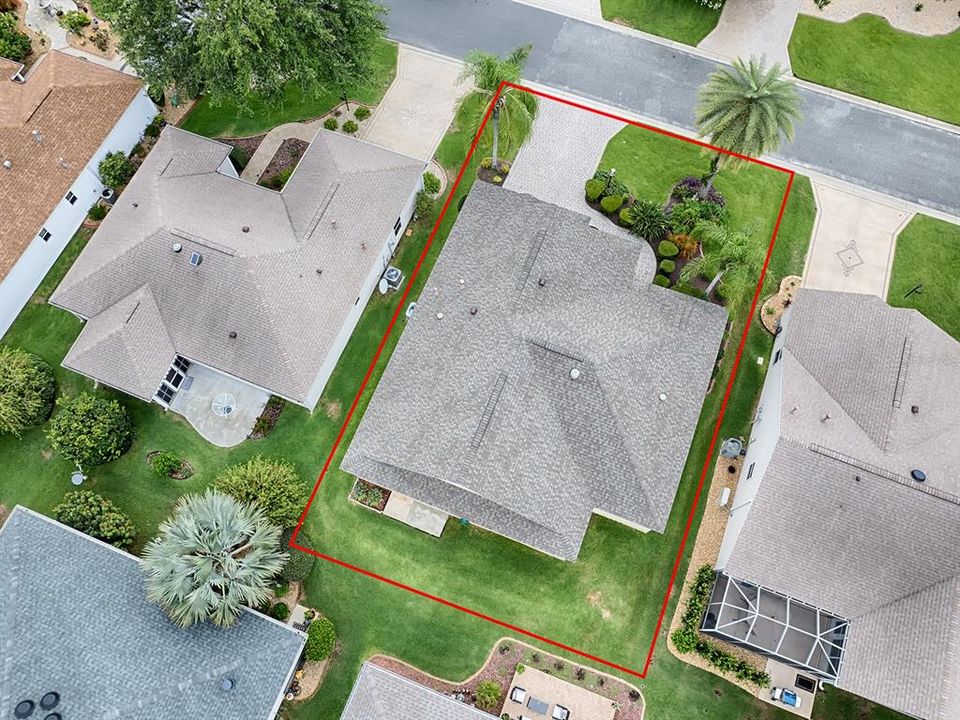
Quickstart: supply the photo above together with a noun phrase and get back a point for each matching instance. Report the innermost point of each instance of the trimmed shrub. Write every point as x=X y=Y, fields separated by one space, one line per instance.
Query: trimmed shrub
x=361 y=113
x=331 y=123
x=240 y=157
x=27 y=390
x=626 y=217
x=321 y=638
x=115 y=169
x=488 y=694
x=690 y=187
x=14 y=44
x=612 y=185
x=100 y=39
x=423 y=206
x=272 y=484
x=593 y=189
x=685 y=216
x=96 y=516
x=300 y=564
x=89 y=430
x=156 y=125
x=648 y=221
x=97 y=212
x=280 y=612
x=156 y=94
x=667 y=249
x=350 y=127
x=687 y=244
x=611 y=203
x=661 y=281
x=165 y=463
x=667 y=266
x=431 y=183
x=74 y=21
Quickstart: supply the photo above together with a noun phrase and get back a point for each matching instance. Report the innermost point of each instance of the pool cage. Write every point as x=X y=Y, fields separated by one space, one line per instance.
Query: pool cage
x=772 y=624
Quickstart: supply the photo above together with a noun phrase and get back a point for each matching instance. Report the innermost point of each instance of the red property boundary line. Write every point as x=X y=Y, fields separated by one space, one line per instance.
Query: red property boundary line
x=713 y=439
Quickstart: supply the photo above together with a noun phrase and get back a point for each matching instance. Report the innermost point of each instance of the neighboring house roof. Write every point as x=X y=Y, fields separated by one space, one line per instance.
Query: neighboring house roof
x=282 y=270
x=74 y=104
x=379 y=694
x=74 y=619
x=837 y=521
x=477 y=412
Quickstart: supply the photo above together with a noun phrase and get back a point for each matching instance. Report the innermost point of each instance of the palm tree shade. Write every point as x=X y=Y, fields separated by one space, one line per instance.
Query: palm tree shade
x=515 y=110
x=735 y=256
x=748 y=109
x=213 y=556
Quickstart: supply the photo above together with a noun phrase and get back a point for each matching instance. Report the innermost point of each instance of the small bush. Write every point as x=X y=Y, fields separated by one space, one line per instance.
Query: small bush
x=423 y=206
x=661 y=281
x=156 y=125
x=685 y=216
x=74 y=21
x=361 y=113
x=667 y=266
x=690 y=187
x=165 y=463
x=97 y=212
x=14 y=44
x=626 y=217
x=321 y=638
x=280 y=612
x=274 y=485
x=611 y=203
x=667 y=249
x=26 y=390
x=300 y=564
x=331 y=123
x=431 y=183
x=350 y=127
x=100 y=39
x=156 y=94
x=240 y=157
x=89 y=430
x=687 y=244
x=648 y=221
x=115 y=169
x=593 y=189
x=367 y=493
x=612 y=185
x=97 y=517
x=488 y=694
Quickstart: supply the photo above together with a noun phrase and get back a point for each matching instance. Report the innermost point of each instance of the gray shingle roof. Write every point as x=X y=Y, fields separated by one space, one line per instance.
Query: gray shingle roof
x=838 y=523
x=74 y=619
x=285 y=284
x=477 y=413
x=380 y=694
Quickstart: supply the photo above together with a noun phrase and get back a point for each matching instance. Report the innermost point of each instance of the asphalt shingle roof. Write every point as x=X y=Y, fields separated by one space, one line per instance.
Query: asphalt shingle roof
x=282 y=270
x=838 y=523
x=477 y=412
x=74 y=619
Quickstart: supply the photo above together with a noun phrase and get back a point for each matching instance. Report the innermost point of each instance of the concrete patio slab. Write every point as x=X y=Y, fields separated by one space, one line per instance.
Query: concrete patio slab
x=853 y=242
x=784 y=676
x=221 y=408
x=415 y=514
x=419 y=106
x=754 y=27
x=538 y=687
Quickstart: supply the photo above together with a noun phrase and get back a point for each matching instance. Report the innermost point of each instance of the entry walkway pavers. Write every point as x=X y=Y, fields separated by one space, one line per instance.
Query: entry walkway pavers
x=204 y=399
x=853 y=242
x=759 y=28
x=419 y=106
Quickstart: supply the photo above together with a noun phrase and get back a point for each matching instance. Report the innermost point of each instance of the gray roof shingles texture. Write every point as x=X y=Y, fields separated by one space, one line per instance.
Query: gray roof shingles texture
x=477 y=413
x=379 y=694
x=838 y=523
x=284 y=285
x=74 y=619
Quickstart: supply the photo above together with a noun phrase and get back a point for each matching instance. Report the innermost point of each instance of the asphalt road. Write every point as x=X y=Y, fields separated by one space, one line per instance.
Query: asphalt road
x=846 y=140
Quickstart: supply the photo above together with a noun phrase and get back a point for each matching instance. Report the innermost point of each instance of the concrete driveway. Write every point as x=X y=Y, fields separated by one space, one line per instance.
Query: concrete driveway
x=754 y=27
x=419 y=106
x=853 y=242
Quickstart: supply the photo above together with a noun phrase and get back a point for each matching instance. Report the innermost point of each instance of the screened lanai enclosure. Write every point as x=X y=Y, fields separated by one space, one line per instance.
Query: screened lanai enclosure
x=775 y=625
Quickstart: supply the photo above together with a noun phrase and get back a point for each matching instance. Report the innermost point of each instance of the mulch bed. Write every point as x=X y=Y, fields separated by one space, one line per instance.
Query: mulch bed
x=774 y=306
x=287 y=156
x=267 y=419
x=385 y=495
x=186 y=469
x=248 y=144
x=490 y=174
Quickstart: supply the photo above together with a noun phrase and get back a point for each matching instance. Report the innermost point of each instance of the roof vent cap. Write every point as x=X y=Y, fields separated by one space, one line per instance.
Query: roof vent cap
x=245 y=228
x=177 y=247
x=24 y=709
x=915 y=409
x=49 y=700
x=574 y=373
x=37 y=136
x=439 y=316
x=541 y=282
x=663 y=397
x=233 y=335
x=918 y=475
x=7 y=164
x=473 y=310
x=227 y=683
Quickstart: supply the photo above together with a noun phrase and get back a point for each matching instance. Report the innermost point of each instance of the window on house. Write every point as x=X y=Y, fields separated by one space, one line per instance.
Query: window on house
x=165 y=393
x=44 y=234
x=396 y=226
x=70 y=197
x=750 y=470
x=181 y=364
x=777 y=356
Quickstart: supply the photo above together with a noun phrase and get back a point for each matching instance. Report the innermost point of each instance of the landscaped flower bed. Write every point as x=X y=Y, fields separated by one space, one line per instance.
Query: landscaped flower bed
x=493 y=175
x=373 y=496
x=268 y=418
x=283 y=163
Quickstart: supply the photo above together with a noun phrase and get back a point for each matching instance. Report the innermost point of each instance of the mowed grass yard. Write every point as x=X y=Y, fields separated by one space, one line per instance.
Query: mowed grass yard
x=867 y=57
x=227 y=120
x=685 y=21
x=928 y=254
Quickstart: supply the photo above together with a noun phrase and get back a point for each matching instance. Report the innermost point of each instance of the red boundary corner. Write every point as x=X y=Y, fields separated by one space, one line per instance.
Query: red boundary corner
x=716 y=430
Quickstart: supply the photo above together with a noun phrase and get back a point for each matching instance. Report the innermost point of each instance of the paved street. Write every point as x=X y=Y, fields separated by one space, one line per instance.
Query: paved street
x=847 y=140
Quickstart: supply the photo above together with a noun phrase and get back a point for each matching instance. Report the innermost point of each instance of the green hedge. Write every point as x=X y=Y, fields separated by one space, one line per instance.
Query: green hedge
x=661 y=281
x=687 y=638
x=667 y=266
x=593 y=189
x=667 y=249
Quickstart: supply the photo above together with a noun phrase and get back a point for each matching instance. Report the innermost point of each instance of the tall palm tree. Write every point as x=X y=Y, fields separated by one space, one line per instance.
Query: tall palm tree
x=514 y=110
x=748 y=109
x=214 y=555
x=734 y=256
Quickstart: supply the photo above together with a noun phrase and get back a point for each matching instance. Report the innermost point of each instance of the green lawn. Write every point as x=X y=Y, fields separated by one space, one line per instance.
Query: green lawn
x=928 y=254
x=866 y=56
x=224 y=120
x=685 y=21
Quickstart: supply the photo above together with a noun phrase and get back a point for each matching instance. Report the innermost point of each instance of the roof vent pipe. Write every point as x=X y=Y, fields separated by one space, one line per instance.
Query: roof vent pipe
x=37 y=137
x=918 y=475
x=245 y=228
x=7 y=164
x=233 y=335
x=915 y=409
x=177 y=247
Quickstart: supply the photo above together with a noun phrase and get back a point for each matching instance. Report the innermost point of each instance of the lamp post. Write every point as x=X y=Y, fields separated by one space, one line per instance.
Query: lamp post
x=918 y=289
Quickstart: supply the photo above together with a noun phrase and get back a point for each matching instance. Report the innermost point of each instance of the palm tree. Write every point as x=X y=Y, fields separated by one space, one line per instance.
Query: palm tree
x=214 y=555
x=747 y=109
x=514 y=109
x=735 y=256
